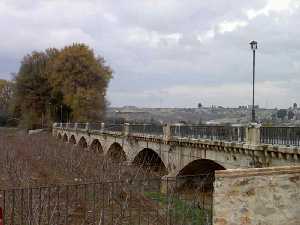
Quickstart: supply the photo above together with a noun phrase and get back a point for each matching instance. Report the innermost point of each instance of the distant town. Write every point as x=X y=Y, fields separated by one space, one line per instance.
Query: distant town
x=205 y=115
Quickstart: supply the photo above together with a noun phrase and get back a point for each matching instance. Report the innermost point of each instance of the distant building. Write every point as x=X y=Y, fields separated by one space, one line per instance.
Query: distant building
x=255 y=106
x=295 y=106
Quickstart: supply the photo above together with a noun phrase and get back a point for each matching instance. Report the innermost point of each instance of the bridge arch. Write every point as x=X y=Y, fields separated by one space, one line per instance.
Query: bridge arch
x=148 y=159
x=59 y=136
x=198 y=177
x=82 y=143
x=96 y=146
x=200 y=167
x=116 y=153
x=65 y=138
x=72 y=140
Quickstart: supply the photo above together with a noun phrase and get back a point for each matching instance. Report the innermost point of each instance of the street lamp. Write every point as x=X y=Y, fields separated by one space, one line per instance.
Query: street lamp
x=253 y=45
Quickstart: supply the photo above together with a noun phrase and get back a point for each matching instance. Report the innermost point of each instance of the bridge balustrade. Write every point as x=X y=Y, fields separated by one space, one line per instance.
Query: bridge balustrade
x=64 y=125
x=81 y=126
x=95 y=126
x=280 y=135
x=228 y=133
x=71 y=125
x=114 y=127
x=152 y=129
x=266 y=135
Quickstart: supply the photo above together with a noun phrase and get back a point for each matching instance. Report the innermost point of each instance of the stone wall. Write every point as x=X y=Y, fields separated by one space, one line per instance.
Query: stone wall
x=266 y=196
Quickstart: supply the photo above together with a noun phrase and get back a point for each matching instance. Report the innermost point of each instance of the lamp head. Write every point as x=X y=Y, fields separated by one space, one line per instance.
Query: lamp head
x=253 y=45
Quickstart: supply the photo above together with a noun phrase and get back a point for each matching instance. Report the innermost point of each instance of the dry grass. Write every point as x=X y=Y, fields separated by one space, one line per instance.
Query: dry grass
x=42 y=160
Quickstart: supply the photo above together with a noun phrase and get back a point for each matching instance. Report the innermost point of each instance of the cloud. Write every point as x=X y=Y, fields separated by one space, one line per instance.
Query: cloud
x=229 y=26
x=274 y=6
x=154 y=39
x=267 y=94
x=160 y=48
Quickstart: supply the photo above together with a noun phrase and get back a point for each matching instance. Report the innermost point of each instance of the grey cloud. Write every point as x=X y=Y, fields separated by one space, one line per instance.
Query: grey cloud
x=138 y=39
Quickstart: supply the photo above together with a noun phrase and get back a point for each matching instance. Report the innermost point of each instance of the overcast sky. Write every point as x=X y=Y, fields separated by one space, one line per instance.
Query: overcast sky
x=169 y=53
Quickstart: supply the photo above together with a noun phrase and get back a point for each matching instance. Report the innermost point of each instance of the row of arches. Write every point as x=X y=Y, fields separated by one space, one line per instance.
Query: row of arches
x=95 y=146
x=146 y=158
x=194 y=181
x=115 y=151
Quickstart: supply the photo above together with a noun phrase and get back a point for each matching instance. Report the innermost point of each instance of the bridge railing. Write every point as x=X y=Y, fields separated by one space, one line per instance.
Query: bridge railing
x=263 y=135
x=114 y=127
x=81 y=126
x=95 y=126
x=280 y=135
x=228 y=133
x=151 y=129
x=71 y=125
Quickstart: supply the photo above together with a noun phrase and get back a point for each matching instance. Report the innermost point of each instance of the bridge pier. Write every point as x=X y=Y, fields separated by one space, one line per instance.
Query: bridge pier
x=126 y=129
x=167 y=132
x=165 y=186
x=253 y=134
x=168 y=182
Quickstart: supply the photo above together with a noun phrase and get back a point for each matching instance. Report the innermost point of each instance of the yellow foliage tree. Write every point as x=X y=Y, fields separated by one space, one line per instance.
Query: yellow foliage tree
x=82 y=79
x=66 y=84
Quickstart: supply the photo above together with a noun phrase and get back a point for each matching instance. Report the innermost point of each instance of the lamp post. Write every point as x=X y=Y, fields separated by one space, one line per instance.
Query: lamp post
x=253 y=45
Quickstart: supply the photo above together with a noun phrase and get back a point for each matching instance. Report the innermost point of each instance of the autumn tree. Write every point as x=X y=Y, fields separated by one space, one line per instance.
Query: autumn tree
x=32 y=93
x=54 y=85
x=5 y=94
x=6 y=90
x=81 y=79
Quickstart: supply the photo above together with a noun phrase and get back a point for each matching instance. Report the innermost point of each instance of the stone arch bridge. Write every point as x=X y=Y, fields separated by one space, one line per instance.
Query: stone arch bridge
x=187 y=150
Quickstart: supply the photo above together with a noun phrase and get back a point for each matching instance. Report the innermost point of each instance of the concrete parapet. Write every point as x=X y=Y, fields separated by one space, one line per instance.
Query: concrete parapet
x=167 y=132
x=253 y=134
x=126 y=129
x=168 y=183
x=268 y=196
x=102 y=127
